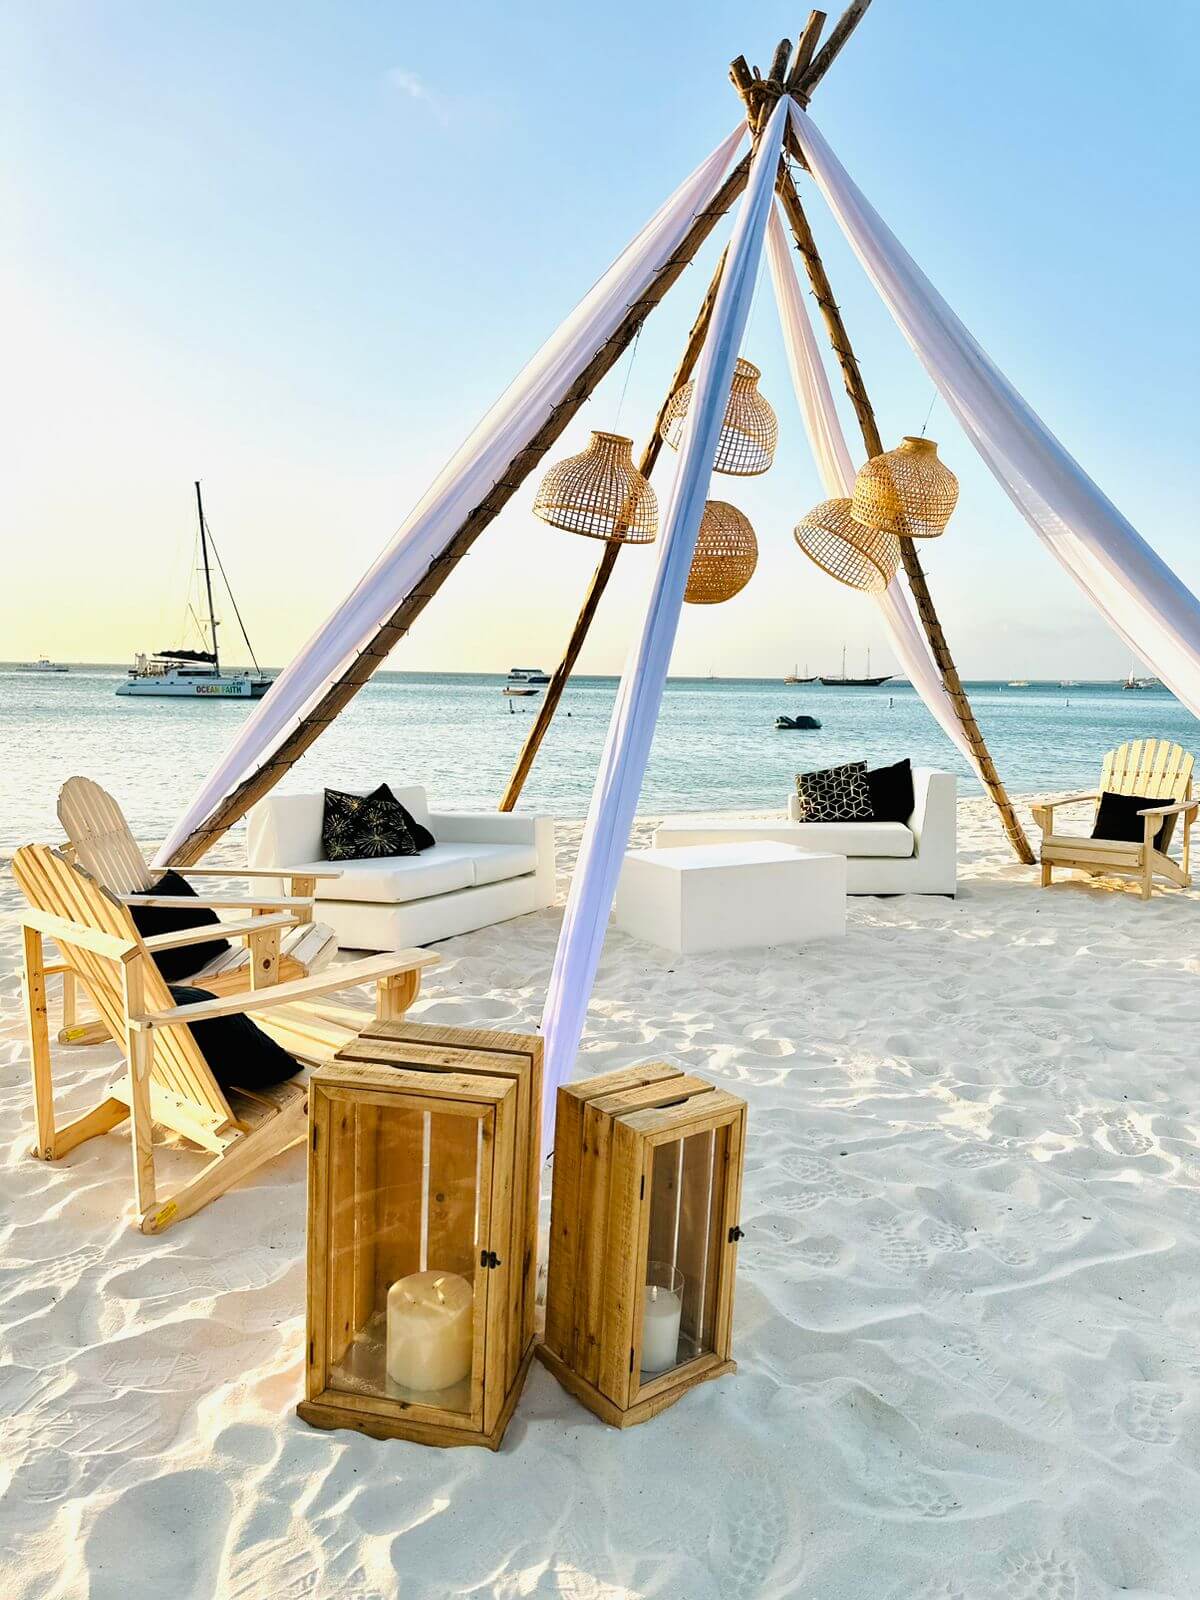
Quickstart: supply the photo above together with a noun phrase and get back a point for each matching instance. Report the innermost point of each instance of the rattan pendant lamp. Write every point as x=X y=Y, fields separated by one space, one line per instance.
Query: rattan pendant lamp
x=600 y=493
x=861 y=558
x=726 y=555
x=906 y=491
x=749 y=431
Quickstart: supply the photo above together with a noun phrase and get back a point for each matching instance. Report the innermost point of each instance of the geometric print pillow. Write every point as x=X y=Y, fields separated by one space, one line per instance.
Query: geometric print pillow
x=839 y=794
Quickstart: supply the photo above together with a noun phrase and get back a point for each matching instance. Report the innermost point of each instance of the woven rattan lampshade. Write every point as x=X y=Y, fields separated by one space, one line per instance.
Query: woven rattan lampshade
x=600 y=493
x=749 y=432
x=726 y=556
x=906 y=491
x=861 y=558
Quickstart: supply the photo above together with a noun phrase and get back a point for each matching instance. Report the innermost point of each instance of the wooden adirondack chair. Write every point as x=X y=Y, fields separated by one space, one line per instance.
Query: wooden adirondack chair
x=168 y=1081
x=103 y=843
x=1149 y=767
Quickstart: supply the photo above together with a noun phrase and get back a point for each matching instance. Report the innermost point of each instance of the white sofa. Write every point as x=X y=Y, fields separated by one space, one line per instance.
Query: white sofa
x=917 y=857
x=483 y=867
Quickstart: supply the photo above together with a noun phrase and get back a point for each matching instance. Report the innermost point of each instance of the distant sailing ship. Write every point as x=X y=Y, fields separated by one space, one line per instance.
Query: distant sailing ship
x=44 y=664
x=857 y=683
x=197 y=674
x=795 y=677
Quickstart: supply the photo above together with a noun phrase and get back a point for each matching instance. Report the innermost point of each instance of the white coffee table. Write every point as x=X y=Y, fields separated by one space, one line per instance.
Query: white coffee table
x=736 y=896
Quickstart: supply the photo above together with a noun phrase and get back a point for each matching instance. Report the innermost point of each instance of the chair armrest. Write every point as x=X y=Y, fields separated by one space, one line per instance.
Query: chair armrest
x=1170 y=810
x=256 y=872
x=224 y=930
x=373 y=970
x=1043 y=811
x=64 y=931
x=223 y=902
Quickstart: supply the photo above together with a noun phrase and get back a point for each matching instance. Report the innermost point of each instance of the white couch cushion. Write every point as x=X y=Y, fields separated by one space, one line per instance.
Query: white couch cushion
x=856 y=838
x=494 y=863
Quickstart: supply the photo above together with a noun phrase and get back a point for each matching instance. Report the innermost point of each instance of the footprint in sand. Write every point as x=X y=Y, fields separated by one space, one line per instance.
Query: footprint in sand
x=746 y=1540
x=922 y=1498
x=1148 y=1411
x=176 y=1555
x=896 y=1249
x=1122 y=1138
x=822 y=1252
x=1037 y=1577
x=42 y=1478
x=945 y=1236
x=969 y=1156
x=1036 y=1075
x=935 y=1589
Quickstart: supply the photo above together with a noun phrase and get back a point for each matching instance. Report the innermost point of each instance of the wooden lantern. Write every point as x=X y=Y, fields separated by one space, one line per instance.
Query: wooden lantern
x=860 y=557
x=907 y=491
x=422 y=1233
x=749 y=428
x=725 y=557
x=643 y=1239
x=600 y=493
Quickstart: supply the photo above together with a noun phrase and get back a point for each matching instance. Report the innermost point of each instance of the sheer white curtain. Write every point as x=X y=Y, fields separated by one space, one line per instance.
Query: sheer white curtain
x=631 y=730
x=1156 y=615
x=837 y=471
x=479 y=464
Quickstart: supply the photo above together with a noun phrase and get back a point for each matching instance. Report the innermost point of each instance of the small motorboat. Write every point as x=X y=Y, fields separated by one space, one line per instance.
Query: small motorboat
x=792 y=723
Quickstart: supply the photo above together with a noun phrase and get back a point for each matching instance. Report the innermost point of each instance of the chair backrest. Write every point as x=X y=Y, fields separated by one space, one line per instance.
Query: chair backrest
x=60 y=888
x=1151 y=767
x=96 y=826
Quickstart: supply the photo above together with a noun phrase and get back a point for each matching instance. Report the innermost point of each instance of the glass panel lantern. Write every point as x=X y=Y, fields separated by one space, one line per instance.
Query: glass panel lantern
x=416 y=1233
x=643 y=1239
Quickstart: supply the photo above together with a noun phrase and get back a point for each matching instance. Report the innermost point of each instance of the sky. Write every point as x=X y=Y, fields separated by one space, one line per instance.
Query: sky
x=296 y=251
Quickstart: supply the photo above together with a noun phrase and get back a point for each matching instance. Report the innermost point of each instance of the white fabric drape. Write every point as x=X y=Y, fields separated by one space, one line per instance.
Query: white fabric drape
x=1156 y=615
x=479 y=464
x=631 y=729
x=836 y=467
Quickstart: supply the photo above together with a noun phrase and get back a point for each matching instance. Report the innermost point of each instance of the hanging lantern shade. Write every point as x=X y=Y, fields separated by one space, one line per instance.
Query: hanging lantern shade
x=749 y=432
x=726 y=556
x=861 y=558
x=906 y=491
x=600 y=493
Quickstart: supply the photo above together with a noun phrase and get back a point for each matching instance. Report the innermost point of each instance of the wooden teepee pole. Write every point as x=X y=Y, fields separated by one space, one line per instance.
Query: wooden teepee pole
x=608 y=560
x=392 y=630
x=864 y=411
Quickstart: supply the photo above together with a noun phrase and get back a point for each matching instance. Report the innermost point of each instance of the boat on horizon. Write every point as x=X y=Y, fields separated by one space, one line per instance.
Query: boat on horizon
x=794 y=675
x=856 y=683
x=44 y=664
x=1018 y=683
x=526 y=680
x=197 y=674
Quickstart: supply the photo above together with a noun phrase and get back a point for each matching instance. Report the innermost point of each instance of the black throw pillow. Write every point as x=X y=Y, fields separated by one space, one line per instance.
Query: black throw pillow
x=239 y=1054
x=1117 y=818
x=357 y=827
x=148 y=920
x=892 y=792
x=421 y=836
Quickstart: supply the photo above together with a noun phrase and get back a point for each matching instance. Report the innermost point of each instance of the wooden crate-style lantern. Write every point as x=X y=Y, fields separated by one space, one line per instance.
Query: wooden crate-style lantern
x=422 y=1233
x=643 y=1239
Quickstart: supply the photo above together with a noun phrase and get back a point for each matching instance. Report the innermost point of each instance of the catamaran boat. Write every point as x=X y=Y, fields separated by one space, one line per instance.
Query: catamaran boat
x=857 y=683
x=44 y=664
x=198 y=674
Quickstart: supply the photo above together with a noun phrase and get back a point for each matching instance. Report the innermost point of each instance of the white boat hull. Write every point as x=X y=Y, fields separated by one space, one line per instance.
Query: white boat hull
x=168 y=687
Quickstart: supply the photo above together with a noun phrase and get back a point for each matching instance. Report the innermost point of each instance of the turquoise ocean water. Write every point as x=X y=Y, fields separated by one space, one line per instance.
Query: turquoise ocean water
x=715 y=747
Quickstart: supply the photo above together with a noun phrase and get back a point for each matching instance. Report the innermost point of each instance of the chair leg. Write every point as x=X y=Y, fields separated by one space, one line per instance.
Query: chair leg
x=103 y=1118
x=1046 y=874
x=250 y=1152
x=34 y=989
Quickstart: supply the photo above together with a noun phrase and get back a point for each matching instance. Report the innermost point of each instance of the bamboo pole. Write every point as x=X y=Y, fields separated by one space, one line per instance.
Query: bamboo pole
x=339 y=694
x=863 y=410
x=805 y=46
x=832 y=48
x=608 y=560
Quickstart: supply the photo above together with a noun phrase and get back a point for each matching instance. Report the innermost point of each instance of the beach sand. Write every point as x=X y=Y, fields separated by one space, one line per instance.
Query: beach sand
x=968 y=1306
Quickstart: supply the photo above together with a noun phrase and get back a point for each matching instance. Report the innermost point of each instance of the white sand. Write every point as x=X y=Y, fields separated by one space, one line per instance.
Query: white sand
x=968 y=1314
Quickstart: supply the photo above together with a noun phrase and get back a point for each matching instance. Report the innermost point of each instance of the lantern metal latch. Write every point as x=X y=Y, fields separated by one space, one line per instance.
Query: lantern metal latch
x=735 y=1233
x=488 y=1258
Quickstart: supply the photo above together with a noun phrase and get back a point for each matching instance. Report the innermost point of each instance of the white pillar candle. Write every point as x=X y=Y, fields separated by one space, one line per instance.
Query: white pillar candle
x=430 y=1330
x=660 y=1328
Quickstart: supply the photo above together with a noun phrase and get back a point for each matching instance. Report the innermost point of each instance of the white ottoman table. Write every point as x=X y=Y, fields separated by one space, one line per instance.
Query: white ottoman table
x=731 y=896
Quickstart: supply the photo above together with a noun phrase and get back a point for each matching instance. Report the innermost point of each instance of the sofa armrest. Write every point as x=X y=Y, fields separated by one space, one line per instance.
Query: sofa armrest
x=793 y=807
x=483 y=827
x=934 y=821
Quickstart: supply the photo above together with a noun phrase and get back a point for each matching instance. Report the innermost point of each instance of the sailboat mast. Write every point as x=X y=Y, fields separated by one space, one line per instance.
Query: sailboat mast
x=212 y=615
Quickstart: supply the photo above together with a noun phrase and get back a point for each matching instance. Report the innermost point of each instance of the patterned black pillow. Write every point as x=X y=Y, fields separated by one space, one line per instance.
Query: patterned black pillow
x=839 y=794
x=357 y=827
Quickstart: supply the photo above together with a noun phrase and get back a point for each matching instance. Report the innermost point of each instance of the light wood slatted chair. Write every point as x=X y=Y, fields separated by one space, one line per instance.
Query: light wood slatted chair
x=1151 y=767
x=103 y=843
x=167 y=1081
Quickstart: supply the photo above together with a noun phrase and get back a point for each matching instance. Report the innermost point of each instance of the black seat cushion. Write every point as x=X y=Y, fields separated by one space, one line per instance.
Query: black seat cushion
x=188 y=958
x=358 y=827
x=837 y=794
x=1117 y=818
x=892 y=792
x=239 y=1054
